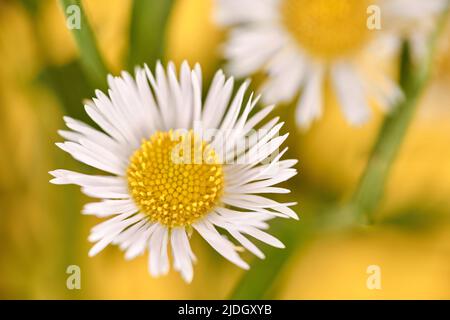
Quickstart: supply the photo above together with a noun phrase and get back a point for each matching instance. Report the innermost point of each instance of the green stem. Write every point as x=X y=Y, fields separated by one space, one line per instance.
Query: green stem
x=392 y=133
x=90 y=57
x=147 y=31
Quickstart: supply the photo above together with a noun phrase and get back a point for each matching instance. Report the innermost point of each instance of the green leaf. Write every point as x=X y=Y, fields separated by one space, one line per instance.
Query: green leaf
x=147 y=31
x=69 y=84
x=414 y=220
x=90 y=57
x=32 y=6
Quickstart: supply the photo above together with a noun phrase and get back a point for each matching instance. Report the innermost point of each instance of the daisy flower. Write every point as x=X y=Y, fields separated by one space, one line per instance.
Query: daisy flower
x=299 y=44
x=176 y=165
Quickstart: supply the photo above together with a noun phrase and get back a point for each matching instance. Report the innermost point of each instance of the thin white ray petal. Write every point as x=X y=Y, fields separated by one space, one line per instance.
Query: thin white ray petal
x=309 y=105
x=182 y=260
x=110 y=207
x=155 y=245
x=263 y=236
x=350 y=93
x=219 y=243
x=241 y=11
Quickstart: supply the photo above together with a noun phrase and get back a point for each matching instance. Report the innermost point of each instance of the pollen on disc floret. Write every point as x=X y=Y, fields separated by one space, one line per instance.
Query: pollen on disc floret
x=175 y=178
x=327 y=28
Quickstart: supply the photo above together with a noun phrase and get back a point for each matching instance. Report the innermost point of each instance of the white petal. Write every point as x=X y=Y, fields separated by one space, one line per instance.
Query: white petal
x=95 y=135
x=286 y=72
x=106 y=232
x=85 y=180
x=263 y=236
x=309 y=105
x=92 y=159
x=181 y=253
x=241 y=239
x=219 y=243
x=137 y=245
x=186 y=113
x=350 y=93
x=197 y=97
x=110 y=207
x=259 y=203
x=237 y=11
x=250 y=47
x=158 y=258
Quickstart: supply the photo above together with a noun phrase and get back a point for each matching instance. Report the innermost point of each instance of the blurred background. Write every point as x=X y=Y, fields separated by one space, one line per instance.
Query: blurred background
x=42 y=231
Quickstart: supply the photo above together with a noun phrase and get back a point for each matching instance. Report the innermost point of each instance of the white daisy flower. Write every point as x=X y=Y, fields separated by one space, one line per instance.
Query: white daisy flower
x=299 y=43
x=163 y=182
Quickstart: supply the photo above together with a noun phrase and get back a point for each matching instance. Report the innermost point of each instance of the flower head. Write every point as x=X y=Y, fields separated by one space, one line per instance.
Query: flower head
x=299 y=43
x=177 y=164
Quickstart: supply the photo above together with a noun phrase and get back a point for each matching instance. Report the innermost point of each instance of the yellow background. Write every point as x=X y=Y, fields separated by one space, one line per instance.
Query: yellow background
x=42 y=231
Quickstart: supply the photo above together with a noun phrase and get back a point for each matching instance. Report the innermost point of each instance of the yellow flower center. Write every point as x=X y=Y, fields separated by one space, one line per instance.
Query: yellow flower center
x=327 y=28
x=175 y=178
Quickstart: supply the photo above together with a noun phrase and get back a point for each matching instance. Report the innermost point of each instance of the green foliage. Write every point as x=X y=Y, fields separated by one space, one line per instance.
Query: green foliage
x=147 y=31
x=61 y=80
x=90 y=57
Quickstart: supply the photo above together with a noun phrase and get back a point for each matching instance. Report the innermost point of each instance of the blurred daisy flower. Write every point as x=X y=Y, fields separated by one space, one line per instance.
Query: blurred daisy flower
x=172 y=172
x=299 y=43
